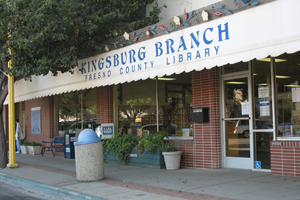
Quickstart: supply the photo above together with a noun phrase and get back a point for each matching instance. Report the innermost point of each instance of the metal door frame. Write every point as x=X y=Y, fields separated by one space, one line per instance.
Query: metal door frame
x=226 y=161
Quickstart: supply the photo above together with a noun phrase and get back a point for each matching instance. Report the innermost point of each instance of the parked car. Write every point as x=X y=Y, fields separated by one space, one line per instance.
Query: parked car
x=243 y=130
x=152 y=128
x=77 y=125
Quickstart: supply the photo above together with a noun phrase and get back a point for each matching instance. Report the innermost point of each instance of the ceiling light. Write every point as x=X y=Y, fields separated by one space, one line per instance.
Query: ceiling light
x=280 y=76
x=262 y=84
x=291 y=85
x=236 y=83
x=165 y=79
x=269 y=60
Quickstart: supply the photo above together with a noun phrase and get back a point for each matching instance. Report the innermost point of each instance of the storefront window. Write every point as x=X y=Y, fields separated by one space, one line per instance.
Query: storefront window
x=77 y=110
x=288 y=94
x=262 y=94
x=137 y=110
x=136 y=107
x=175 y=104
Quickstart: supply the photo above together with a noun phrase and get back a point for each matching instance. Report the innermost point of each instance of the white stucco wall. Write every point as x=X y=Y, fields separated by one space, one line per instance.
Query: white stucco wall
x=176 y=7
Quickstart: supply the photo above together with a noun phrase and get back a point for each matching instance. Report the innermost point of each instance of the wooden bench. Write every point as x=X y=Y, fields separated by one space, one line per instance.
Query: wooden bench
x=56 y=145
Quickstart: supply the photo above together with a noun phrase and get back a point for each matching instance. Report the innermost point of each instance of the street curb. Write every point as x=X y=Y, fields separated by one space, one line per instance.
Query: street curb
x=45 y=188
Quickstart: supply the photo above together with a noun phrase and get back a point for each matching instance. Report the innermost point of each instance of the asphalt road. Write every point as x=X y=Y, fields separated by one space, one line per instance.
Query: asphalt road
x=10 y=192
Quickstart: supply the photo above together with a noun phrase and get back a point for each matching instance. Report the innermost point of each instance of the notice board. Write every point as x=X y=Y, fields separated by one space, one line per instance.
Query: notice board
x=36 y=120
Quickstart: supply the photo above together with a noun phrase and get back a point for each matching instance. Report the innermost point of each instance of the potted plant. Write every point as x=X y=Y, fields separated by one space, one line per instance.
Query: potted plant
x=24 y=147
x=34 y=148
x=172 y=157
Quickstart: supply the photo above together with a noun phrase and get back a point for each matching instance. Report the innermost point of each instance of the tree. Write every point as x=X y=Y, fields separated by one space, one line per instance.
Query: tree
x=51 y=35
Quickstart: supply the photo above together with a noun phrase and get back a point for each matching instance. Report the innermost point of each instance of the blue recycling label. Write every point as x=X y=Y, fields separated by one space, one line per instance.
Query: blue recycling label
x=108 y=130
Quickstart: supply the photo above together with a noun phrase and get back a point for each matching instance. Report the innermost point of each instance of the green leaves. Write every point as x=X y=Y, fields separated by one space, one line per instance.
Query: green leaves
x=120 y=145
x=51 y=35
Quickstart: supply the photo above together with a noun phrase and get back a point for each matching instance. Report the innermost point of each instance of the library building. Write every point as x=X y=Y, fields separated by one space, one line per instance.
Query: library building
x=223 y=83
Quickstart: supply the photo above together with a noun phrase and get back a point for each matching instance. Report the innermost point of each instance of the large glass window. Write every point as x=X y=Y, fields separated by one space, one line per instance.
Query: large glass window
x=137 y=108
x=262 y=92
x=76 y=110
x=175 y=104
x=262 y=106
x=288 y=94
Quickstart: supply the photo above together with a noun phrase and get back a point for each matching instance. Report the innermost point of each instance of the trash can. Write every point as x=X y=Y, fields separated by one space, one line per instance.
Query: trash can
x=69 y=145
x=89 y=156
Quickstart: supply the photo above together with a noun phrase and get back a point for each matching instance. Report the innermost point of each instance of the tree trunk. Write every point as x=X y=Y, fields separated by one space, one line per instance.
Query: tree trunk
x=3 y=95
x=3 y=148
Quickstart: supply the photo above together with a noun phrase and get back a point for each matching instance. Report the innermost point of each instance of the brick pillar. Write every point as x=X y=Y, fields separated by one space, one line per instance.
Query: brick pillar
x=105 y=102
x=207 y=137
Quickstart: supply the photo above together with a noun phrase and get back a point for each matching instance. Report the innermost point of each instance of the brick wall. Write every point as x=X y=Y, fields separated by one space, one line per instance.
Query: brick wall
x=285 y=158
x=47 y=119
x=188 y=152
x=205 y=150
x=105 y=104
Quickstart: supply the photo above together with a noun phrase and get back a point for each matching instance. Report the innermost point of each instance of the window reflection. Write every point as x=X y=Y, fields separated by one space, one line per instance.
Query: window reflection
x=77 y=110
x=137 y=110
x=288 y=90
x=262 y=94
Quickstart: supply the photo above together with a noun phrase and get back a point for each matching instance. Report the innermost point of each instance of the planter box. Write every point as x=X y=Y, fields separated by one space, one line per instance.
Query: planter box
x=24 y=149
x=151 y=160
x=35 y=150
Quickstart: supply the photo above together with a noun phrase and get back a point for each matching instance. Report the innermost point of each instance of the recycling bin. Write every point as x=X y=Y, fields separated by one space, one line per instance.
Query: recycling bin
x=89 y=156
x=69 y=145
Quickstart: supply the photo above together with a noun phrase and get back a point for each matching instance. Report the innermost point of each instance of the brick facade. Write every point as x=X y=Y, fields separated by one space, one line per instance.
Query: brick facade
x=285 y=158
x=105 y=102
x=47 y=119
x=207 y=138
x=204 y=151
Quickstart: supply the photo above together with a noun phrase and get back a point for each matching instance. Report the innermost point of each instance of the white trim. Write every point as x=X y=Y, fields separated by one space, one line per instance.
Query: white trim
x=262 y=170
x=288 y=139
x=180 y=138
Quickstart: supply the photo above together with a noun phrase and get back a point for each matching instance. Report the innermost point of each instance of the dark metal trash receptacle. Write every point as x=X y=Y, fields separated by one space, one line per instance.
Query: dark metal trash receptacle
x=69 y=145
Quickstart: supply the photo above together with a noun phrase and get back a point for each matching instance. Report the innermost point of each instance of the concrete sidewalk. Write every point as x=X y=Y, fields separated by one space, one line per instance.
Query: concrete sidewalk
x=56 y=176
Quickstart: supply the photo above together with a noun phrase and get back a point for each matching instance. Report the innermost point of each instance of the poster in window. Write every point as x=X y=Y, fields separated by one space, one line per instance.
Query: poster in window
x=245 y=108
x=264 y=107
x=36 y=120
x=295 y=95
x=263 y=92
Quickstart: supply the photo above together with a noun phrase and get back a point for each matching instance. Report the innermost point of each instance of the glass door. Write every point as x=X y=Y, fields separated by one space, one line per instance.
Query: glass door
x=237 y=124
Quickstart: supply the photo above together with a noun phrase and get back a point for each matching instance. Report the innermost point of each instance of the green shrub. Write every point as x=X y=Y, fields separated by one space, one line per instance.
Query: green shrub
x=167 y=147
x=149 y=143
x=33 y=143
x=120 y=145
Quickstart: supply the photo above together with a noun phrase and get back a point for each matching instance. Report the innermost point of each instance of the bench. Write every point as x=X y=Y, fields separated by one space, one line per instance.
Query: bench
x=56 y=145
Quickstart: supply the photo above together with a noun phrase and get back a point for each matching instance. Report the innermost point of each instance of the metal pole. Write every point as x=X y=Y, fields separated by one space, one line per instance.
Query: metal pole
x=11 y=120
